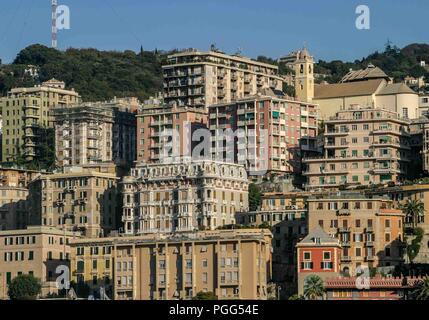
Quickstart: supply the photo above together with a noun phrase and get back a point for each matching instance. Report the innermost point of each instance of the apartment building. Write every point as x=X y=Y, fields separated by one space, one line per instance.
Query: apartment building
x=183 y=196
x=370 y=229
x=233 y=264
x=37 y=251
x=199 y=79
x=14 y=204
x=362 y=146
x=78 y=199
x=164 y=132
x=26 y=114
x=317 y=254
x=90 y=133
x=268 y=132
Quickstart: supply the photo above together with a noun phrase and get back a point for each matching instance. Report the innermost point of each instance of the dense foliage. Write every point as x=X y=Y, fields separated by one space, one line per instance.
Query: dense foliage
x=96 y=75
x=255 y=197
x=395 y=62
x=24 y=287
x=205 y=296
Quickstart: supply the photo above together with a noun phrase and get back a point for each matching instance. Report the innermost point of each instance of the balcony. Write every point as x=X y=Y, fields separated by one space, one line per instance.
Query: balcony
x=369 y=243
x=343 y=212
x=369 y=230
x=345 y=244
x=336 y=133
x=369 y=258
x=344 y=229
x=346 y=259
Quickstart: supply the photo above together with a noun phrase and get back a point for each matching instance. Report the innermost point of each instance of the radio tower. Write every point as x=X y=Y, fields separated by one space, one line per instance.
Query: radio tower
x=54 y=23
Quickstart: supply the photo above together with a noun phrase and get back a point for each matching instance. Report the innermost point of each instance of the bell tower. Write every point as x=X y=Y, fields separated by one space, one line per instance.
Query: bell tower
x=304 y=76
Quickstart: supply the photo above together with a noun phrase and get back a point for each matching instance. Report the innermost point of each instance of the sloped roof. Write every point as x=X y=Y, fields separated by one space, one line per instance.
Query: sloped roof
x=347 y=89
x=319 y=233
x=396 y=88
x=371 y=72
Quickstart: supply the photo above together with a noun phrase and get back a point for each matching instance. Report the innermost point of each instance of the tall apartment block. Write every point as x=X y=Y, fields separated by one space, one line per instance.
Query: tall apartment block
x=37 y=251
x=77 y=199
x=183 y=196
x=26 y=114
x=199 y=79
x=363 y=146
x=164 y=132
x=270 y=132
x=232 y=264
x=91 y=133
x=370 y=229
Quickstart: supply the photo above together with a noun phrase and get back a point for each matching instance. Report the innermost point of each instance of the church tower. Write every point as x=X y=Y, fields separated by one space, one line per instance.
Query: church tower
x=304 y=76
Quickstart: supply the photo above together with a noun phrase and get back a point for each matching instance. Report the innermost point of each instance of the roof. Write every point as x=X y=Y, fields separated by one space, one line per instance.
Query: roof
x=348 y=89
x=318 y=233
x=374 y=283
x=371 y=72
x=396 y=88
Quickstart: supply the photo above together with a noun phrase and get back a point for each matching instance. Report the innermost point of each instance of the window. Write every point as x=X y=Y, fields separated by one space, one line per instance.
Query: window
x=307 y=255
x=30 y=255
x=326 y=255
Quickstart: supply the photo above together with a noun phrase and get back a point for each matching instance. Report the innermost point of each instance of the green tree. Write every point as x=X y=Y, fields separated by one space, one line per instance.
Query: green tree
x=255 y=197
x=422 y=290
x=313 y=288
x=205 y=296
x=24 y=287
x=413 y=248
x=296 y=297
x=414 y=210
x=82 y=289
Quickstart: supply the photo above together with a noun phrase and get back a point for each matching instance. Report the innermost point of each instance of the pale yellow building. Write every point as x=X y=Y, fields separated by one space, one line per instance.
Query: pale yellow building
x=77 y=198
x=233 y=264
x=26 y=114
x=370 y=88
x=370 y=229
x=37 y=251
x=199 y=79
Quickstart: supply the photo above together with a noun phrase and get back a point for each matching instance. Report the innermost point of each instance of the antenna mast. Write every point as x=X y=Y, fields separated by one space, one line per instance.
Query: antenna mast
x=54 y=24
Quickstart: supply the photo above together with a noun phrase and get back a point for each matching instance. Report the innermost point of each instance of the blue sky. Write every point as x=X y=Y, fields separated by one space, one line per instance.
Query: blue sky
x=258 y=27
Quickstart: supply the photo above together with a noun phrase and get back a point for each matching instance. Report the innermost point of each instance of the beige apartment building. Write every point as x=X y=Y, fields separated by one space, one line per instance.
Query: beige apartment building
x=363 y=146
x=96 y=132
x=233 y=264
x=272 y=132
x=183 y=196
x=14 y=204
x=199 y=79
x=78 y=199
x=165 y=131
x=26 y=114
x=370 y=229
x=37 y=251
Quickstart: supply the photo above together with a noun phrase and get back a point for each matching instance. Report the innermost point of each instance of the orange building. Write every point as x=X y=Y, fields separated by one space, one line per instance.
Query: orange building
x=318 y=253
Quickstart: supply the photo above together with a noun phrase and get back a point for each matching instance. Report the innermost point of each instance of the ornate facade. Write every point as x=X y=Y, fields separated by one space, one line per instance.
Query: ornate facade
x=183 y=196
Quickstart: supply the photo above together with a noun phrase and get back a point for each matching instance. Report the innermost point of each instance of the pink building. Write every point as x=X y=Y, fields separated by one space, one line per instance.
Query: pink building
x=277 y=131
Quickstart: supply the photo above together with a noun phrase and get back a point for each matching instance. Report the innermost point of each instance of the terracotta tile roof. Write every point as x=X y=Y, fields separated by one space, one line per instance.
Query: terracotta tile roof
x=375 y=283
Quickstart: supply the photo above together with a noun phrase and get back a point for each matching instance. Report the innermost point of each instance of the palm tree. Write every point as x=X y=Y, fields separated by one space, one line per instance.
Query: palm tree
x=413 y=210
x=422 y=290
x=313 y=287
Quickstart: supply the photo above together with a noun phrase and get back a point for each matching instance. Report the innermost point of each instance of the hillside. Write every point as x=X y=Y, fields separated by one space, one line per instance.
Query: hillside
x=101 y=75
x=96 y=75
x=397 y=63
